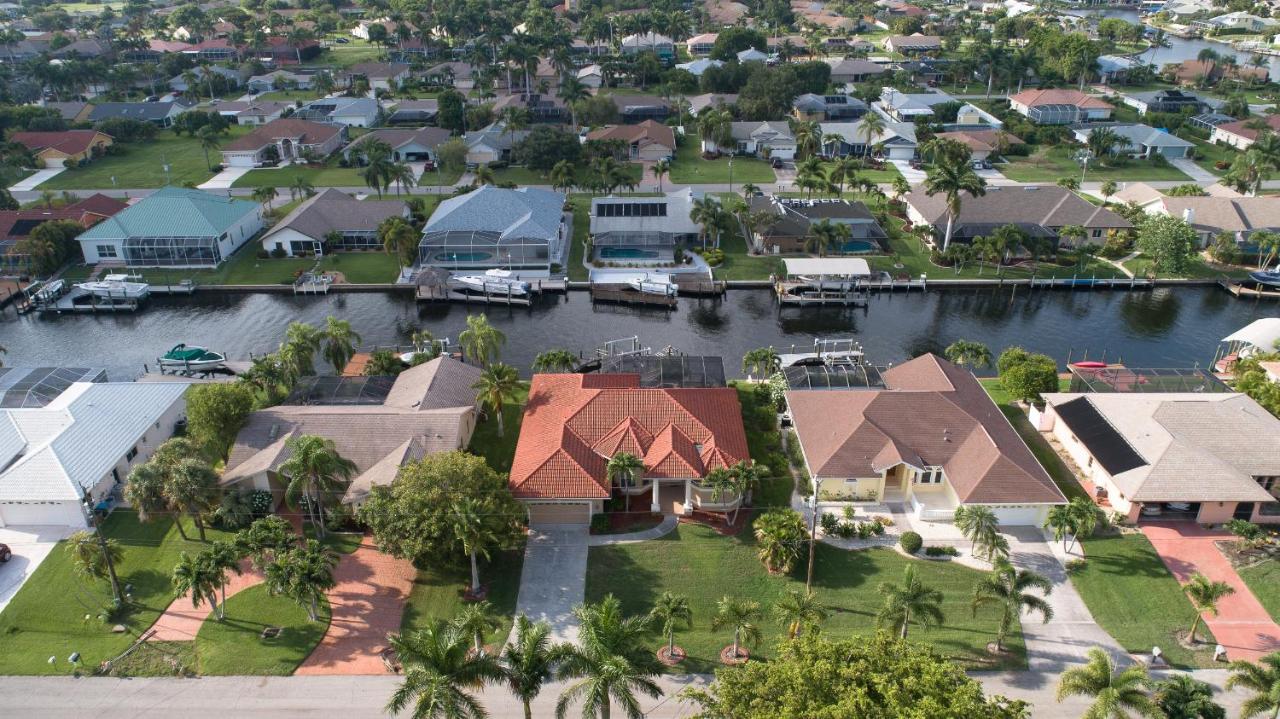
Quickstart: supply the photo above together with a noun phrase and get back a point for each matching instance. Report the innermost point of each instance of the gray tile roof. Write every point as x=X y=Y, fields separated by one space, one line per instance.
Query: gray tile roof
x=526 y=212
x=145 y=111
x=333 y=209
x=442 y=382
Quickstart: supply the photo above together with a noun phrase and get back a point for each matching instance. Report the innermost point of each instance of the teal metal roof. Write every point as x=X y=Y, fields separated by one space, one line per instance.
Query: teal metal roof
x=173 y=212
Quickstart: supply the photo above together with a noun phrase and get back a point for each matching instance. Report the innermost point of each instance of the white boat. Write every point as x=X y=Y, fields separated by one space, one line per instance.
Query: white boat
x=499 y=282
x=49 y=292
x=191 y=357
x=117 y=287
x=654 y=285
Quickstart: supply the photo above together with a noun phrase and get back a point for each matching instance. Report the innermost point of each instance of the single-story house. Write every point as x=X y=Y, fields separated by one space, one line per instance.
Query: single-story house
x=698 y=103
x=414 y=112
x=575 y=423
x=1038 y=210
x=72 y=112
x=823 y=108
x=522 y=230
x=260 y=112
x=1206 y=457
x=661 y=45
x=538 y=107
x=1115 y=68
x=305 y=230
x=895 y=140
x=17 y=225
x=643 y=230
x=156 y=113
x=699 y=66
x=648 y=140
x=381 y=75
x=983 y=143
x=1238 y=135
x=284 y=139
x=932 y=439
x=79 y=448
x=1142 y=140
x=591 y=76
x=1060 y=107
x=280 y=80
x=701 y=45
x=407 y=144
x=791 y=221
x=900 y=106
x=1172 y=101
x=762 y=139
x=1210 y=72
x=913 y=44
x=638 y=108
x=56 y=149
x=174 y=227
x=458 y=75
x=348 y=111
x=852 y=69
x=430 y=408
x=1211 y=216
x=492 y=144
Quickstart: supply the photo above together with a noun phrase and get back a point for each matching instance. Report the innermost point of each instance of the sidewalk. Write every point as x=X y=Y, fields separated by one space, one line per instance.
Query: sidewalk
x=29 y=184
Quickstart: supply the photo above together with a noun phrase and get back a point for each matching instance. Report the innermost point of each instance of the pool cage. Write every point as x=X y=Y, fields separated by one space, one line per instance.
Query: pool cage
x=483 y=249
x=834 y=376
x=329 y=390
x=1128 y=379
x=1057 y=114
x=668 y=370
x=172 y=252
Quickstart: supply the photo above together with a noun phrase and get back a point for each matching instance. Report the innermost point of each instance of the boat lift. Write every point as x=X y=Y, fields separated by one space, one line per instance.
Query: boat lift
x=829 y=351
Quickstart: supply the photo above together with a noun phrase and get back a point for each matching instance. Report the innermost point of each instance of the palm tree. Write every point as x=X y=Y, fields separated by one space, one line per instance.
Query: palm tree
x=952 y=179
x=557 y=360
x=314 y=470
x=1263 y=679
x=402 y=175
x=660 y=169
x=763 y=361
x=1070 y=183
x=669 y=611
x=609 y=661
x=740 y=614
x=911 y=600
x=562 y=176
x=1108 y=189
x=301 y=187
x=824 y=235
x=144 y=491
x=377 y=170
x=797 y=610
x=470 y=526
x=192 y=488
x=624 y=469
x=224 y=557
x=979 y=525
x=1181 y=696
x=900 y=187
x=844 y=171
x=1061 y=522
x=872 y=127
x=968 y=354
x=716 y=125
x=264 y=195
x=1008 y=587
x=529 y=661
x=572 y=92
x=704 y=211
x=1115 y=693
x=93 y=558
x=986 y=249
x=484 y=175
x=779 y=534
x=1204 y=594
x=195 y=576
x=481 y=341
x=475 y=620
x=400 y=240
x=208 y=138
x=440 y=671
x=339 y=342
x=1085 y=516
x=304 y=574
x=498 y=384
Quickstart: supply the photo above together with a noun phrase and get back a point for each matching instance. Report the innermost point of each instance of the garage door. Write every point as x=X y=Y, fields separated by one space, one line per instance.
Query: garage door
x=553 y=513
x=1020 y=516
x=49 y=514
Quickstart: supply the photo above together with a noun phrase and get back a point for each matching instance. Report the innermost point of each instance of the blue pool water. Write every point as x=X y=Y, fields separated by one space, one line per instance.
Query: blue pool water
x=859 y=246
x=462 y=256
x=627 y=253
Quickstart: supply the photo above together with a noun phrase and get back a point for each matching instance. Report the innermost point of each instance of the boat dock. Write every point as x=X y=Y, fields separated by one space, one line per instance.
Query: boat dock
x=435 y=285
x=804 y=293
x=1239 y=290
x=689 y=285
x=626 y=295
x=81 y=301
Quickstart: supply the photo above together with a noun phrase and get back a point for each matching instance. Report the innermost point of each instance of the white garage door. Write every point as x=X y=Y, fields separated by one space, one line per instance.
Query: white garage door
x=1032 y=515
x=554 y=513
x=49 y=514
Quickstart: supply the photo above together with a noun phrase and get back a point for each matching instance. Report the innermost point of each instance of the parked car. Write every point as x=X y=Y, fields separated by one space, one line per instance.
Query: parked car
x=776 y=163
x=5 y=553
x=342 y=41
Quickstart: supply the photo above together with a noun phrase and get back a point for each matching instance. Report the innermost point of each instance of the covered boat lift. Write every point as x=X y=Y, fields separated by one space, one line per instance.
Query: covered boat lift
x=824 y=280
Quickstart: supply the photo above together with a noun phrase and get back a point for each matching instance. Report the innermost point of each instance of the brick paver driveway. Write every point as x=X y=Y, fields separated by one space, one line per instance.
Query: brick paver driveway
x=181 y=622
x=366 y=605
x=1242 y=624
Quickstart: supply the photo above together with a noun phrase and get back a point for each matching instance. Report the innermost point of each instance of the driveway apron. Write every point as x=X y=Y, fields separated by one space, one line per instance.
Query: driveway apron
x=554 y=577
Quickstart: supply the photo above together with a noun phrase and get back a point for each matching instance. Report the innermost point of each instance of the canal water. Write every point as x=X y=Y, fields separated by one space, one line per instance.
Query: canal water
x=1167 y=327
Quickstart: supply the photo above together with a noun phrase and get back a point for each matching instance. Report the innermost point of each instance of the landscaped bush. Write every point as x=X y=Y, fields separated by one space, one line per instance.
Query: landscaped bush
x=263 y=254
x=830 y=523
x=261 y=500
x=1244 y=529
x=945 y=550
x=846 y=530
x=1075 y=565
x=599 y=523
x=910 y=542
x=278 y=252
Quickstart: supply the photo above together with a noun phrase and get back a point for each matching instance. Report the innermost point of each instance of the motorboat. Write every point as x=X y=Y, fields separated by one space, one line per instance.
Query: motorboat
x=117 y=287
x=1090 y=364
x=49 y=292
x=654 y=285
x=1268 y=278
x=495 y=281
x=192 y=357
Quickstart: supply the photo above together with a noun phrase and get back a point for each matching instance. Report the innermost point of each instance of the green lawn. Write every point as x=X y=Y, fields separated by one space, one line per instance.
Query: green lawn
x=235 y=647
x=738 y=265
x=1198 y=270
x=48 y=616
x=524 y=176
x=142 y=165
x=290 y=95
x=331 y=175
x=437 y=593
x=690 y=168
x=499 y=451
x=1211 y=153
x=245 y=268
x=576 y=271
x=1132 y=595
x=1049 y=164
x=696 y=562
x=1264 y=581
x=1048 y=458
x=357 y=51
x=12 y=175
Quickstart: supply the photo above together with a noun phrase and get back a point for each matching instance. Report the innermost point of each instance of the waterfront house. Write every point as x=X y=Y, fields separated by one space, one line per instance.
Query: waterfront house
x=427 y=409
x=1201 y=73
x=1239 y=135
x=381 y=75
x=894 y=141
x=643 y=230
x=575 y=423
x=492 y=144
x=173 y=227
x=538 y=107
x=282 y=140
x=634 y=109
x=232 y=76
x=407 y=144
x=64 y=148
x=1238 y=217
x=931 y=439
x=827 y=108
x=1115 y=68
x=661 y=45
x=647 y=141
x=280 y=80
x=160 y=114
x=347 y=111
x=1239 y=21
x=913 y=44
x=61 y=460
x=1204 y=456
x=306 y=230
x=791 y=220
x=1038 y=210
x=1060 y=107
x=17 y=225
x=522 y=230
x=983 y=144
x=701 y=45
x=852 y=69
x=1140 y=140
x=1171 y=101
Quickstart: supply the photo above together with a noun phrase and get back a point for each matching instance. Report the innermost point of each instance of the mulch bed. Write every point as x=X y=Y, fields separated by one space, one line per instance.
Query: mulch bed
x=622 y=522
x=729 y=658
x=675 y=657
x=477 y=596
x=720 y=522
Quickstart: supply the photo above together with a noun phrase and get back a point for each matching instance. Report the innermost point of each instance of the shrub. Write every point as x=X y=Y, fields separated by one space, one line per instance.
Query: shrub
x=877 y=528
x=910 y=542
x=830 y=523
x=263 y=254
x=261 y=500
x=278 y=252
x=850 y=513
x=846 y=530
x=1244 y=529
x=599 y=523
x=1075 y=565
x=864 y=530
x=945 y=550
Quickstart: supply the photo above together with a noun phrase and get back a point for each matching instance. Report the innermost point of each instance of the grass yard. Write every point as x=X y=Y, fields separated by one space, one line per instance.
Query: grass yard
x=738 y=265
x=576 y=271
x=1264 y=581
x=524 y=176
x=329 y=175
x=289 y=95
x=437 y=593
x=1135 y=599
x=357 y=51
x=1199 y=269
x=142 y=165
x=696 y=562
x=499 y=451
x=235 y=647
x=12 y=175
x=1048 y=458
x=761 y=422
x=1049 y=164
x=690 y=168
x=1211 y=153
x=245 y=268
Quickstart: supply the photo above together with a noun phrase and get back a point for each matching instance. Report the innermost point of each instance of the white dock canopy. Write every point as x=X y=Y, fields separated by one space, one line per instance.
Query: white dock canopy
x=827 y=267
x=1258 y=336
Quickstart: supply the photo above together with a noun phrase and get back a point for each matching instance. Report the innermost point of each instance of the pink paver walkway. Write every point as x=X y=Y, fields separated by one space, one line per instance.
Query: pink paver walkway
x=366 y=605
x=181 y=622
x=1242 y=625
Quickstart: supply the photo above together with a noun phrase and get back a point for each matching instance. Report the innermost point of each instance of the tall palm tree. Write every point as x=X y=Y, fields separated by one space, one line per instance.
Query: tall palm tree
x=740 y=614
x=480 y=341
x=498 y=384
x=1263 y=679
x=440 y=672
x=625 y=469
x=562 y=176
x=716 y=125
x=224 y=557
x=304 y=339
x=572 y=92
x=401 y=174
x=953 y=179
x=845 y=172
x=909 y=601
x=339 y=342
x=314 y=470
x=968 y=354
x=557 y=360
x=609 y=662
x=1009 y=588
x=301 y=187
x=824 y=235
x=1204 y=594
x=195 y=576
x=979 y=525
x=704 y=211
x=475 y=620
x=264 y=195
x=763 y=361
x=209 y=140
x=400 y=240
x=871 y=127
x=473 y=530
x=670 y=611
x=1116 y=694
x=304 y=574
x=660 y=169
x=192 y=488
x=95 y=558
x=529 y=661
x=798 y=610
x=144 y=491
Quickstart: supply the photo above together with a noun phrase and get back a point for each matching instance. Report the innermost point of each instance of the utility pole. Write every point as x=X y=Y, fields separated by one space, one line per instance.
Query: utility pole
x=813 y=533
x=102 y=546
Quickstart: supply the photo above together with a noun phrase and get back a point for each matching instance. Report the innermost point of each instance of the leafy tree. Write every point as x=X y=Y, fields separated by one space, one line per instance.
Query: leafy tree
x=215 y=414
x=799 y=610
x=557 y=360
x=265 y=539
x=481 y=342
x=452 y=154
x=968 y=354
x=910 y=601
x=1025 y=375
x=1204 y=594
x=529 y=661
x=780 y=534
x=452 y=111
x=734 y=40
x=545 y=146
x=498 y=384
x=740 y=615
x=610 y=663
x=303 y=574
x=314 y=470
x=1263 y=680
x=440 y=672
x=383 y=363
x=1009 y=588
x=1181 y=696
x=1114 y=693
x=302 y=341
x=1170 y=243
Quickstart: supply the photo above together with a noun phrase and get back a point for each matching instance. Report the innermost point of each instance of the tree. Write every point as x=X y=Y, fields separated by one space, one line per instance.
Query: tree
x=610 y=663
x=716 y=126
x=440 y=671
x=1268 y=244
x=1263 y=680
x=475 y=533
x=1009 y=588
x=413 y=518
x=572 y=92
x=498 y=384
x=562 y=176
x=907 y=602
x=92 y=558
x=265 y=539
x=968 y=354
x=1025 y=375
x=824 y=235
x=763 y=361
x=529 y=661
x=545 y=147
x=1070 y=183
x=780 y=534
x=314 y=470
x=1060 y=521
x=339 y=342
x=876 y=676
x=1170 y=243
x=400 y=240
x=144 y=491
x=1181 y=696
x=475 y=620
x=740 y=615
x=1115 y=693
x=302 y=340
x=1108 y=189
x=452 y=154
x=799 y=610
x=195 y=576
x=670 y=611
x=452 y=114
x=264 y=195
x=1204 y=594
x=401 y=174
x=953 y=179
x=979 y=525
x=557 y=360
x=481 y=342
x=209 y=140
x=192 y=488
x=624 y=469
x=1085 y=516
x=223 y=557
x=661 y=169
x=303 y=574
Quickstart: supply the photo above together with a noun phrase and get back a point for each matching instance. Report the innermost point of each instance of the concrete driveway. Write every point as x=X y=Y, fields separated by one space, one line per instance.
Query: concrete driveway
x=33 y=181
x=30 y=545
x=554 y=578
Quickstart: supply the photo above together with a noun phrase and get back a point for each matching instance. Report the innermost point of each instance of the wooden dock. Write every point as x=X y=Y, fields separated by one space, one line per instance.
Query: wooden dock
x=1239 y=290
x=439 y=286
x=79 y=301
x=625 y=295
x=806 y=293
x=691 y=286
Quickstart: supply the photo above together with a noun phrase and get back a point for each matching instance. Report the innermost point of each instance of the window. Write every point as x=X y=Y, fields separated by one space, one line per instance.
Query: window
x=133 y=452
x=1097 y=233
x=930 y=475
x=107 y=251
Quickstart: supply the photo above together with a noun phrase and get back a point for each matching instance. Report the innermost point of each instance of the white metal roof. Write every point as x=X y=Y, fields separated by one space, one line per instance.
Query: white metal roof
x=1261 y=333
x=829 y=266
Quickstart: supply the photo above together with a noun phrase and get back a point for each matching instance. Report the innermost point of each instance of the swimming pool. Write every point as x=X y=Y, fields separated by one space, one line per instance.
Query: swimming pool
x=627 y=253
x=462 y=256
x=857 y=246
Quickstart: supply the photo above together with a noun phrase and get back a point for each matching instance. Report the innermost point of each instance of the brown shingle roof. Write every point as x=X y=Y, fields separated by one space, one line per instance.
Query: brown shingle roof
x=1044 y=205
x=69 y=142
x=442 y=382
x=1240 y=127
x=333 y=209
x=305 y=131
x=645 y=133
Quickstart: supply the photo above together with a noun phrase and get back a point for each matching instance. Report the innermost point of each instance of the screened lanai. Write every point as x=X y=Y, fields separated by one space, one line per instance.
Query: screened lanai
x=456 y=250
x=172 y=251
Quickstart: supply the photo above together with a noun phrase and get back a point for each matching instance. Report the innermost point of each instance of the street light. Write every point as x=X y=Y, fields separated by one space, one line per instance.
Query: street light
x=1083 y=158
x=730 y=173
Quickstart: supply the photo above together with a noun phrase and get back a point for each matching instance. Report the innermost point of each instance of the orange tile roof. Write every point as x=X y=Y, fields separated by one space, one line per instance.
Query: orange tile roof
x=574 y=423
x=1034 y=98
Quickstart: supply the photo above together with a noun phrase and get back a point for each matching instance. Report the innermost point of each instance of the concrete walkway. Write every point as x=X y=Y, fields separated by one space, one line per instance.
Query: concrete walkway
x=554 y=578
x=225 y=179
x=29 y=184
x=669 y=523
x=1242 y=624
x=1194 y=171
